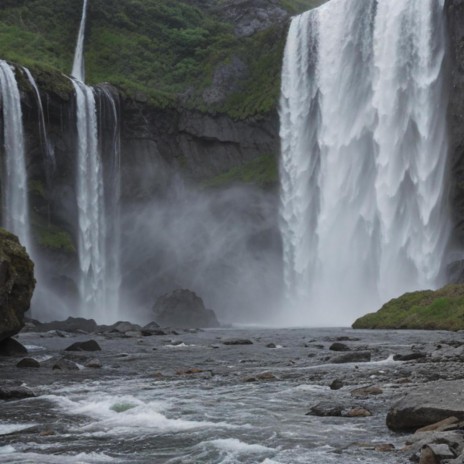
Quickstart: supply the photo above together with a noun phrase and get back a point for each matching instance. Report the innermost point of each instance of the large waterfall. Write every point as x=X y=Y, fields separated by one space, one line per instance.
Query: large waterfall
x=14 y=179
x=364 y=213
x=99 y=265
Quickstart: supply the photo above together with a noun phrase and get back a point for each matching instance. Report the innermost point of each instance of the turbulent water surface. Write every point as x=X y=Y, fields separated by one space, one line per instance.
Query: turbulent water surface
x=188 y=398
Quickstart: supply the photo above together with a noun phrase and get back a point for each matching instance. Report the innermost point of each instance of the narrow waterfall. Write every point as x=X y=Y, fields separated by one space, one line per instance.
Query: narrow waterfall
x=14 y=178
x=78 y=69
x=97 y=196
x=364 y=214
x=46 y=146
x=110 y=148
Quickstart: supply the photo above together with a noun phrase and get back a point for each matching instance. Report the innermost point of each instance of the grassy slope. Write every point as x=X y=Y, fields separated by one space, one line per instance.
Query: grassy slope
x=440 y=310
x=164 y=48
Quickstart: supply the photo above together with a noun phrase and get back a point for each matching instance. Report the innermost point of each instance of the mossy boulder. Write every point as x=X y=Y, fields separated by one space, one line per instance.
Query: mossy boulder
x=17 y=284
x=424 y=310
x=183 y=308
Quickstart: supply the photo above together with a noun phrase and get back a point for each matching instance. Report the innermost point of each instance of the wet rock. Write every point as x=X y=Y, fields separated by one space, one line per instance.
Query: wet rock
x=71 y=325
x=428 y=404
x=352 y=357
x=435 y=453
x=65 y=365
x=237 y=341
x=15 y=392
x=94 y=364
x=337 y=346
x=17 y=284
x=124 y=327
x=336 y=384
x=152 y=329
x=326 y=409
x=439 y=426
x=11 y=347
x=89 y=345
x=409 y=356
x=357 y=412
x=28 y=362
x=183 y=308
x=364 y=392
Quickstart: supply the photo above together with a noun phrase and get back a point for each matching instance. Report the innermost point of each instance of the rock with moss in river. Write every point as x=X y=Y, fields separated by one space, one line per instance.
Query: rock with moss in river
x=424 y=310
x=17 y=284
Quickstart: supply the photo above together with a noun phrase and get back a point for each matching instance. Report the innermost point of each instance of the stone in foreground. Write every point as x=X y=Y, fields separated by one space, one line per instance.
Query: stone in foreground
x=89 y=345
x=428 y=404
x=183 y=308
x=17 y=284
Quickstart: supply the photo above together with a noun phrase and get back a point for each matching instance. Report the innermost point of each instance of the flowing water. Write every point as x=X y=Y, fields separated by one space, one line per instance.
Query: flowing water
x=78 y=69
x=14 y=179
x=97 y=197
x=364 y=156
x=188 y=398
x=47 y=148
x=91 y=209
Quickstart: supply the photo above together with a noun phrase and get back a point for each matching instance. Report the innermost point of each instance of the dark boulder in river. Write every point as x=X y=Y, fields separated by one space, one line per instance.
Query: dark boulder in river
x=183 y=308
x=17 y=284
x=426 y=405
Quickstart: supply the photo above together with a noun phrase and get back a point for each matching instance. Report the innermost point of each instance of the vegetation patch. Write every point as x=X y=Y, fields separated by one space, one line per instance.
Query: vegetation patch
x=168 y=51
x=262 y=171
x=50 y=236
x=429 y=310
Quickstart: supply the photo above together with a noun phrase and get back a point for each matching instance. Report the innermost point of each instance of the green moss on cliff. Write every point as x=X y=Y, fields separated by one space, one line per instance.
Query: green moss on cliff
x=262 y=171
x=167 y=50
x=50 y=236
x=439 y=310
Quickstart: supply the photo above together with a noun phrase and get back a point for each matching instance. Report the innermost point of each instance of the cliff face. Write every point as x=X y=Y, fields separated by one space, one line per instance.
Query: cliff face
x=455 y=17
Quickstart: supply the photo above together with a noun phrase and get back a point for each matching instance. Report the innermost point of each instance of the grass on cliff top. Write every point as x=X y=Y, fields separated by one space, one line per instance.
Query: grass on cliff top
x=438 y=310
x=262 y=171
x=162 y=48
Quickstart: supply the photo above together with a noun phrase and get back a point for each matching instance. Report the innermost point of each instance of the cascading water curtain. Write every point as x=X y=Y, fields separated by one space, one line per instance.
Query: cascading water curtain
x=364 y=213
x=14 y=179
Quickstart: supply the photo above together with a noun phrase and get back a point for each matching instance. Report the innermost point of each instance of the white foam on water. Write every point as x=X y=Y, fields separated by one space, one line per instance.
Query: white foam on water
x=36 y=458
x=6 y=429
x=34 y=348
x=236 y=446
x=8 y=449
x=126 y=414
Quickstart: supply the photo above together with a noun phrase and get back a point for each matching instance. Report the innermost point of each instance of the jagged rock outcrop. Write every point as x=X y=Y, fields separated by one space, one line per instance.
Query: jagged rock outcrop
x=183 y=308
x=17 y=284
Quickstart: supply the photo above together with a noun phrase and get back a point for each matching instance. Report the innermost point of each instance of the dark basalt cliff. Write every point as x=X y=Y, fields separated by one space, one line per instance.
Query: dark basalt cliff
x=455 y=17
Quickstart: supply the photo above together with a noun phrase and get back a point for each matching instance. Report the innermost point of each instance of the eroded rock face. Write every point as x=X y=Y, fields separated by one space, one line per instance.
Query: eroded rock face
x=183 y=308
x=17 y=284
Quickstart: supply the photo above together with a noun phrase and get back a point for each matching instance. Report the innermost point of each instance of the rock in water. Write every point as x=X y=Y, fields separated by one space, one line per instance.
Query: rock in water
x=11 y=347
x=427 y=405
x=89 y=345
x=17 y=284
x=183 y=308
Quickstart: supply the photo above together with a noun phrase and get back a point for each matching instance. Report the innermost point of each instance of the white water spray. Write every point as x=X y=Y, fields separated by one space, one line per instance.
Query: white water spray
x=364 y=156
x=14 y=179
